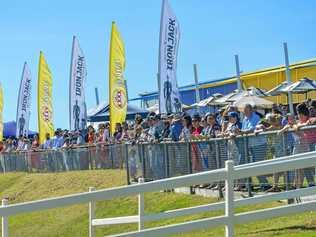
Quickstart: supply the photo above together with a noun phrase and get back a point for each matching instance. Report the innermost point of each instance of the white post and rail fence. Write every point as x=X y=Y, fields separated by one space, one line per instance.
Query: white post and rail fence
x=229 y=220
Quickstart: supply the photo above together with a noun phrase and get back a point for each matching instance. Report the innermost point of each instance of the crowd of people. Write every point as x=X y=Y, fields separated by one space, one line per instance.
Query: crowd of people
x=225 y=123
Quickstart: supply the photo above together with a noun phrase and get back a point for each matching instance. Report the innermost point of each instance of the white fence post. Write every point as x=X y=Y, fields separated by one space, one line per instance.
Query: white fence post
x=229 y=198
x=141 y=207
x=91 y=214
x=5 y=224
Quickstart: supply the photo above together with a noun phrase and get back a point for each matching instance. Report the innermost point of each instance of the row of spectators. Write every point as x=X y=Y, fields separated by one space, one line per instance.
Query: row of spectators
x=173 y=127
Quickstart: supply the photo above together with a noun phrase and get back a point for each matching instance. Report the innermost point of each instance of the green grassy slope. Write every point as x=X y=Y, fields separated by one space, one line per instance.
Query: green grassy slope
x=73 y=220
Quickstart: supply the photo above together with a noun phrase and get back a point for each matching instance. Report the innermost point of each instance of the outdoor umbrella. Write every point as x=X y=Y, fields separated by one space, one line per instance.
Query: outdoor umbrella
x=257 y=91
x=217 y=95
x=251 y=91
x=224 y=99
x=236 y=95
x=304 y=85
x=278 y=90
x=205 y=102
x=254 y=101
x=155 y=108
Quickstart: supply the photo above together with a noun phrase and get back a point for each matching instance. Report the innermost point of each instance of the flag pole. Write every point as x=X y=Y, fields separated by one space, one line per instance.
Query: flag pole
x=159 y=88
x=196 y=81
x=288 y=76
x=96 y=91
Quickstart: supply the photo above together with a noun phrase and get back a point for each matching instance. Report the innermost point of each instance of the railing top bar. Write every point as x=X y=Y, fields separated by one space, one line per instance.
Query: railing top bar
x=106 y=194
x=226 y=138
x=87 y=146
x=278 y=159
x=264 y=167
x=182 y=181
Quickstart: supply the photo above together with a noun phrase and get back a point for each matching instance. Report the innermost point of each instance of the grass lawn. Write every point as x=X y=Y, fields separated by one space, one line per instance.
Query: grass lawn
x=73 y=220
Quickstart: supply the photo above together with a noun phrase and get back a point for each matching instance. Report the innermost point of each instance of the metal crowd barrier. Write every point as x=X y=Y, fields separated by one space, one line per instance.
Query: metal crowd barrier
x=100 y=156
x=169 y=159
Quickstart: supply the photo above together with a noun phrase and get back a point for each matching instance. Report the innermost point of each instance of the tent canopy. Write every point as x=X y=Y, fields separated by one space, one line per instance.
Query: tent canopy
x=254 y=101
x=9 y=129
x=101 y=113
x=278 y=90
x=236 y=95
x=302 y=86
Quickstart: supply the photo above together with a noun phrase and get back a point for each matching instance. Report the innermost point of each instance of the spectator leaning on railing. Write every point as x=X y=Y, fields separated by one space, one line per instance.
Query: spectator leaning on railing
x=175 y=127
x=257 y=145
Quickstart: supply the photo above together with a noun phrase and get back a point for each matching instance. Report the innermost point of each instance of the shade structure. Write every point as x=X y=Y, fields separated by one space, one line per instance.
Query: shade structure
x=101 y=113
x=217 y=95
x=206 y=102
x=278 y=90
x=224 y=99
x=304 y=85
x=9 y=130
x=257 y=91
x=236 y=95
x=155 y=108
x=254 y=101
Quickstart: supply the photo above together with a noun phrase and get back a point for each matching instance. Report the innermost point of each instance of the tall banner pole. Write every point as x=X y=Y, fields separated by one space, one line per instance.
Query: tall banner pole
x=97 y=100
x=196 y=81
x=77 y=82
x=117 y=89
x=288 y=76
x=44 y=100
x=24 y=103
x=170 y=101
x=239 y=87
x=159 y=93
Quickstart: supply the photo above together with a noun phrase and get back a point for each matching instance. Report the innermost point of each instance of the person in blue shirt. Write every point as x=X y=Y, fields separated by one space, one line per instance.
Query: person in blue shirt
x=176 y=128
x=47 y=143
x=257 y=146
x=58 y=140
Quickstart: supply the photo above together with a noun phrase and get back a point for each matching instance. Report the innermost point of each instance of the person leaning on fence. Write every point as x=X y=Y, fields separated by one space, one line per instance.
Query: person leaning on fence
x=257 y=146
x=272 y=122
x=48 y=142
x=118 y=132
x=153 y=132
x=176 y=127
x=232 y=130
x=186 y=132
x=312 y=109
x=307 y=140
x=213 y=129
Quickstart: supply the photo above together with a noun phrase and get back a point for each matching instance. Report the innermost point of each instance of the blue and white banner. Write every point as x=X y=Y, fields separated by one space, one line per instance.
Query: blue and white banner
x=78 y=76
x=169 y=98
x=24 y=103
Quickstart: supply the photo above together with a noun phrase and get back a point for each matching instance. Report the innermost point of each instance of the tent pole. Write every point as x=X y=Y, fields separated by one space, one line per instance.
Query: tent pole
x=196 y=81
x=239 y=87
x=288 y=76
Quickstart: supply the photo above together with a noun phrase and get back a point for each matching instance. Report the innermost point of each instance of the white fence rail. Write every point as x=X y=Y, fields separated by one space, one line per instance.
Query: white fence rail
x=229 y=174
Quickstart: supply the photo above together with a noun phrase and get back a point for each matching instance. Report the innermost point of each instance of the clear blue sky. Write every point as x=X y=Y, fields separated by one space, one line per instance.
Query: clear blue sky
x=211 y=33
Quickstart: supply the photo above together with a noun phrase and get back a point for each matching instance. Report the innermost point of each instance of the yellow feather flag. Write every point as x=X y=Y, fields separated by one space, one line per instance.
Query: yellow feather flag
x=117 y=90
x=44 y=100
x=1 y=113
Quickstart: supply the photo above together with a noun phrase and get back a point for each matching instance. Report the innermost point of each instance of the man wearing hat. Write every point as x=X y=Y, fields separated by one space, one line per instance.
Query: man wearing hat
x=176 y=128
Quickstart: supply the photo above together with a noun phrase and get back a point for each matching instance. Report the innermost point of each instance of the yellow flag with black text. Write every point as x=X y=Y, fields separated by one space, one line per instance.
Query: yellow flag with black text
x=117 y=90
x=1 y=113
x=44 y=100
